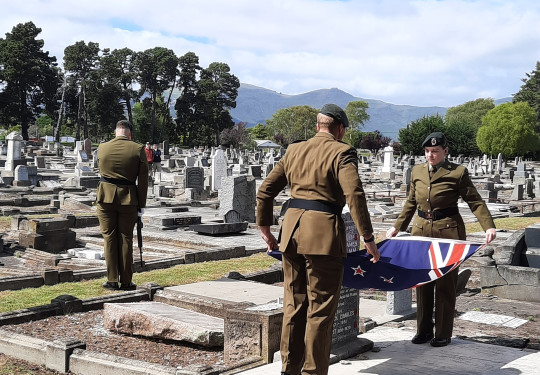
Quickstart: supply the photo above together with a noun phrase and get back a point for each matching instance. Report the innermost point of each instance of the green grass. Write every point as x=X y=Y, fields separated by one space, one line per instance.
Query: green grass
x=509 y=223
x=178 y=275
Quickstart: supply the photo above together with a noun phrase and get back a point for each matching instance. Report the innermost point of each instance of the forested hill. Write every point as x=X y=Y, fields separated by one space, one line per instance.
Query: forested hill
x=256 y=104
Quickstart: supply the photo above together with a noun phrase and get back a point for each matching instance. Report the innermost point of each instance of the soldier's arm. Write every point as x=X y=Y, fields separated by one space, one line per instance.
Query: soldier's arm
x=478 y=207
x=350 y=183
x=271 y=186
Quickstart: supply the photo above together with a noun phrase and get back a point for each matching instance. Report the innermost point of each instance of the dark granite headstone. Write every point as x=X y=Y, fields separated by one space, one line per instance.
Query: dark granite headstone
x=346 y=319
x=194 y=178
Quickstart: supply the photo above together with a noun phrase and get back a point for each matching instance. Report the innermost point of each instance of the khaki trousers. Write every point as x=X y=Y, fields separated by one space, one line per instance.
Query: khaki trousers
x=116 y=223
x=311 y=293
x=442 y=294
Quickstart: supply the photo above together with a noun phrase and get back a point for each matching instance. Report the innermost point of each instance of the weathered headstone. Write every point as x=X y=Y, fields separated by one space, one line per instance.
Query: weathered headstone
x=239 y=194
x=14 y=147
x=218 y=168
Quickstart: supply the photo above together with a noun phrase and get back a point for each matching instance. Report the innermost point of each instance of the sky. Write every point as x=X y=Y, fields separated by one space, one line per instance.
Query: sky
x=422 y=53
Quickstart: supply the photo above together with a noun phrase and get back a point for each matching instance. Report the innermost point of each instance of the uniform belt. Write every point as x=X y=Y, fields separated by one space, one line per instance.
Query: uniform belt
x=312 y=205
x=116 y=181
x=439 y=214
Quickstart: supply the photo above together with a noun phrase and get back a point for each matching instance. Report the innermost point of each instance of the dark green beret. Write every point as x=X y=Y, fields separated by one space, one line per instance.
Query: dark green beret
x=336 y=113
x=435 y=139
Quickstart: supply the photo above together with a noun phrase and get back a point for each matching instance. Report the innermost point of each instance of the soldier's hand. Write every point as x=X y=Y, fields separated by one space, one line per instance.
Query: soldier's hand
x=372 y=249
x=391 y=232
x=268 y=237
x=491 y=234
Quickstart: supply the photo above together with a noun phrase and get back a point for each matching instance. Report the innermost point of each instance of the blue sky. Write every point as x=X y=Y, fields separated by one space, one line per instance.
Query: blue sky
x=422 y=52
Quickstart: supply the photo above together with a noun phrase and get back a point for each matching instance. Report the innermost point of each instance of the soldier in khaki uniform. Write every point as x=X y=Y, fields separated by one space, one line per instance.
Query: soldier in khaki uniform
x=322 y=174
x=122 y=189
x=436 y=187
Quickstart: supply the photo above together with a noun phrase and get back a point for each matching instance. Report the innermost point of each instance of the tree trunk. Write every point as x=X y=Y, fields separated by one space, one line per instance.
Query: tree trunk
x=79 y=116
x=153 y=118
x=60 y=113
x=23 y=117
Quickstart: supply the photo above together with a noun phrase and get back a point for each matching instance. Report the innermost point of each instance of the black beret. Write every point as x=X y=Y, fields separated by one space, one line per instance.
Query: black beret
x=435 y=139
x=336 y=113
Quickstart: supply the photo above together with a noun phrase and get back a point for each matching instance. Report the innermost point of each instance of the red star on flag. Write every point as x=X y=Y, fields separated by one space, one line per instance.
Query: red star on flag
x=358 y=271
x=389 y=281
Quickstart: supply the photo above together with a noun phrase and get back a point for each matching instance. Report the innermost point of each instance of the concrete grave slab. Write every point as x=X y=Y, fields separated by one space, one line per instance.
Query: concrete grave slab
x=159 y=320
x=492 y=319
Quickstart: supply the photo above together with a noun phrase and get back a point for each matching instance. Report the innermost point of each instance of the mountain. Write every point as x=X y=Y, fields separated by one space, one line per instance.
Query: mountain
x=256 y=104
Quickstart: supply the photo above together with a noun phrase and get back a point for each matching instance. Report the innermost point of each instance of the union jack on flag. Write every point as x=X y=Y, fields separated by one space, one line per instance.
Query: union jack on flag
x=406 y=262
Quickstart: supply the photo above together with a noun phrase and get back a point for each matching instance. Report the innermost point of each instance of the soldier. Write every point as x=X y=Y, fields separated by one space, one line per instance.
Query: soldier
x=435 y=189
x=122 y=189
x=322 y=174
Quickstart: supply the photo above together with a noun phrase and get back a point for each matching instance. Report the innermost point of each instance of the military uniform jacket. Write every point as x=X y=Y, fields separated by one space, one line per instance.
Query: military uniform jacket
x=323 y=169
x=123 y=159
x=443 y=190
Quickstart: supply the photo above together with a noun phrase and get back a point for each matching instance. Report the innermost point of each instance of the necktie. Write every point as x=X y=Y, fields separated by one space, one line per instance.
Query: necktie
x=432 y=171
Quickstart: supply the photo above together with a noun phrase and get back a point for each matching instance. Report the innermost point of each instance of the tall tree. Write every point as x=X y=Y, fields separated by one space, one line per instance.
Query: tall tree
x=157 y=72
x=119 y=67
x=357 y=114
x=219 y=88
x=461 y=135
x=189 y=100
x=374 y=141
x=530 y=92
x=293 y=123
x=28 y=74
x=81 y=59
x=509 y=129
x=412 y=136
x=471 y=112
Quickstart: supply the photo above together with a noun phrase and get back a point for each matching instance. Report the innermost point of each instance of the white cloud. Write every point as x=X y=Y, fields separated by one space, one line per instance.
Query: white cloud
x=422 y=52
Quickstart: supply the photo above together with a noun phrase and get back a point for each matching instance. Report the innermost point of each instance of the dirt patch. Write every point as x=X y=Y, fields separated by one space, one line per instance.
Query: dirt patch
x=88 y=328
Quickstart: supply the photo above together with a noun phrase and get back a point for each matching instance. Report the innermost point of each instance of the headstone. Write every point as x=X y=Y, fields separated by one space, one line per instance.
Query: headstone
x=194 y=178
x=239 y=194
x=21 y=173
x=39 y=161
x=82 y=156
x=517 y=193
x=399 y=302
x=346 y=325
x=232 y=216
x=87 y=147
x=14 y=148
x=499 y=164
x=165 y=148
x=386 y=172
x=218 y=168
x=255 y=171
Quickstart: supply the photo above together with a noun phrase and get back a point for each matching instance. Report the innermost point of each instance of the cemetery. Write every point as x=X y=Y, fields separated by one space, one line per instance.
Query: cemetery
x=201 y=207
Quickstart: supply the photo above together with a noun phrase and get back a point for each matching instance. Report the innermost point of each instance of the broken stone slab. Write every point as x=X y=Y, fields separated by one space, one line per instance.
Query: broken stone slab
x=219 y=228
x=53 y=242
x=44 y=225
x=159 y=320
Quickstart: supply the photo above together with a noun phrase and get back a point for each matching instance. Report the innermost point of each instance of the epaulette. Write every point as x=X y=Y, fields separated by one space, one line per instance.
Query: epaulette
x=298 y=141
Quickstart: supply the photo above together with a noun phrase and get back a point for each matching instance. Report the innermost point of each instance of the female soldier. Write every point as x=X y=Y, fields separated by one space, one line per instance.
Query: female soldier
x=436 y=187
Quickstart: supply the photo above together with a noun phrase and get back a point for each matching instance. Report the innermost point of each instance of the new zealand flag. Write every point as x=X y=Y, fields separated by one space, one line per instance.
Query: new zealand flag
x=406 y=262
